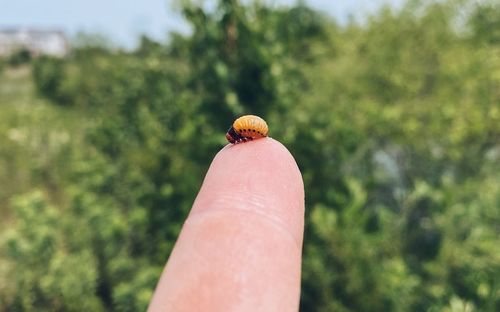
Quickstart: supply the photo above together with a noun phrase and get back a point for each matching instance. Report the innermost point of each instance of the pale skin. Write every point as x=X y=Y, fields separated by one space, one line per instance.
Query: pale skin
x=241 y=245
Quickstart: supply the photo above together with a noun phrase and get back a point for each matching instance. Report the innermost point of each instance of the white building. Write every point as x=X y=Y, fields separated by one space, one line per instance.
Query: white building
x=38 y=42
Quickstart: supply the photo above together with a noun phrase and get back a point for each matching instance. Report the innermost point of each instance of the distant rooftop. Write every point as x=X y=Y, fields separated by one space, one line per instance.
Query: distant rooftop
x=37 y=41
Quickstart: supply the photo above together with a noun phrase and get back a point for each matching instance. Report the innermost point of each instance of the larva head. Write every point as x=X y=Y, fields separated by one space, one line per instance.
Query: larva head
x=232 y=136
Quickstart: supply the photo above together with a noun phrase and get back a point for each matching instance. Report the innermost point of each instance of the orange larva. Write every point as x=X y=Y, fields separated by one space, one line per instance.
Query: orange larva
x=246 y=128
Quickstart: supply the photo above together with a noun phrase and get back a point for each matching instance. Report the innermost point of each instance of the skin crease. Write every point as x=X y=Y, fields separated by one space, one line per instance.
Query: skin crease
x=240 y=247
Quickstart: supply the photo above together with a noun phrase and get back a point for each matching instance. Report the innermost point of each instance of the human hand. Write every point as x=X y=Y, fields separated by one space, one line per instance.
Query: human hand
x=241 y=245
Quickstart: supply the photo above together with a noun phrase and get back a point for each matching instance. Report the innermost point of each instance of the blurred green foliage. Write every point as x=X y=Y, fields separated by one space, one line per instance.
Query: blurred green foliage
x=20 y=57
x=394 y=122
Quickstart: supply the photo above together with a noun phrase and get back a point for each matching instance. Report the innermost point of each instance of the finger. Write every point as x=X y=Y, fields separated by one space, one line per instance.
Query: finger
x=240 y=248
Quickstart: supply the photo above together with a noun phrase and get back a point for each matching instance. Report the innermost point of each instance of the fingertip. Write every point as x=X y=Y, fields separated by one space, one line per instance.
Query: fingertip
x=261 y=177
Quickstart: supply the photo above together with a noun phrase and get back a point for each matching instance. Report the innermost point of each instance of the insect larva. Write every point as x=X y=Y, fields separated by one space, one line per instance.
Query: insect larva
x=246 y=128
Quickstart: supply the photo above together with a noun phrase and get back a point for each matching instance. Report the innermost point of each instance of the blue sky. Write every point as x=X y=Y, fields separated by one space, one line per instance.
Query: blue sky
x=123 y=20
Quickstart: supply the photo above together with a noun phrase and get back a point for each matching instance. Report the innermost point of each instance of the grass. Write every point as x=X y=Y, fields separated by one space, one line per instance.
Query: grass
x=37 y=139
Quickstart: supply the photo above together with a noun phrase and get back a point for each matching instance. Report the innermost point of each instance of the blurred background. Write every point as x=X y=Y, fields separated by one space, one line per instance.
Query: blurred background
x=110 y=113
